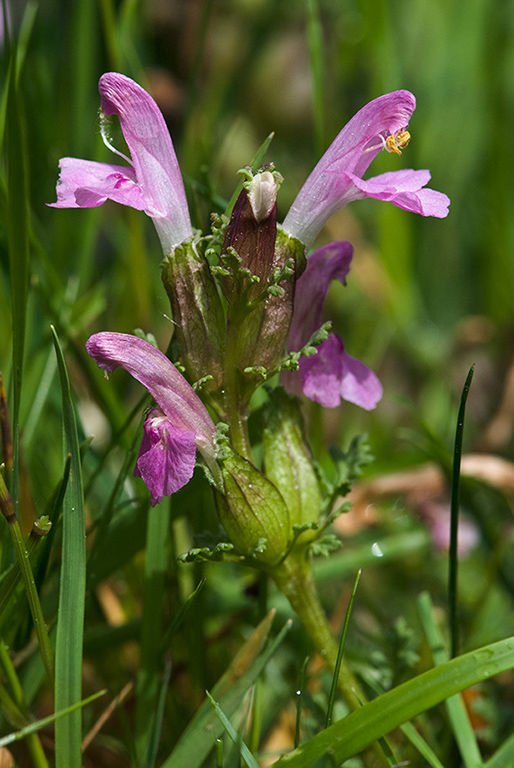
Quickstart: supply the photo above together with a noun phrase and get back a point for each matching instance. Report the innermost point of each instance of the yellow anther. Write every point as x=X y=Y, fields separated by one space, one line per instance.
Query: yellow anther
x=397 y=141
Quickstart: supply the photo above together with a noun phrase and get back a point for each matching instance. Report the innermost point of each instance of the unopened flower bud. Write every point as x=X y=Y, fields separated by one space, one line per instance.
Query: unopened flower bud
x=251 y=233
x=252 y=511
x=287 y=459
x=262 y=193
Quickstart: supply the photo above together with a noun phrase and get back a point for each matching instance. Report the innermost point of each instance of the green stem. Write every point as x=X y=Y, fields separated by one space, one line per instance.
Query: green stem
x=8 y=510
x=295 y=580
x=33 y=598
x=17 y=709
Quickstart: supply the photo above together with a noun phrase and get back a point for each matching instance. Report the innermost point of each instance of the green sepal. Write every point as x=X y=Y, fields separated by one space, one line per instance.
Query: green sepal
x=197 y=309
x=252 y=511
x=288 y=462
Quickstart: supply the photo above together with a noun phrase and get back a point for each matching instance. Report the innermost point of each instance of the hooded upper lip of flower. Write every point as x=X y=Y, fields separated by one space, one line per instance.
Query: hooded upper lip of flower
x=182 y=414
x=152 y=183
x=337 y=178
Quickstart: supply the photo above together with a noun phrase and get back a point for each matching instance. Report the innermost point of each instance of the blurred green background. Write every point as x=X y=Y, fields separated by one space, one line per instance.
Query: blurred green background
x=425 y=299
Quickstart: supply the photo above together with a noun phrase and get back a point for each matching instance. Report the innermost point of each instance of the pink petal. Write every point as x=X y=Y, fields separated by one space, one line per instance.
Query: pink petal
x=353 y=150
x=153 y=156
x=87 y=184
x=331 y=375
x=167 y=457
x=405 y=190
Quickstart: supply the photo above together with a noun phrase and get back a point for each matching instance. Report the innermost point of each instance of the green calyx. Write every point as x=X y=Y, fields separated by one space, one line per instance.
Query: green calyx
x=252 y=511
x=197 y=309
x=288 y=463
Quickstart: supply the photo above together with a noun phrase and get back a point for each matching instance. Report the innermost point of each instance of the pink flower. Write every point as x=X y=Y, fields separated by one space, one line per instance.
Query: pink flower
x=151 y=183
x=331 y=374
x=337 y=178
x=176 y=428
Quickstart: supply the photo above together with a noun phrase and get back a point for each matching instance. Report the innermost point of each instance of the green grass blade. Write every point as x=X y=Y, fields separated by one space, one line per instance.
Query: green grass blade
x=148 y=680
x=152 y=746
x=247 y=756
x=181 y=613
x=27 y=24
x=374 y=720
x=22 y=555
x=56 y=717
x=70 y=622
x=504 y=756
x=299 y=701
x=464 y=734
x=454 y=519
x=340 y=652
x=199 y=738
x=19 y=708
x=421 y=745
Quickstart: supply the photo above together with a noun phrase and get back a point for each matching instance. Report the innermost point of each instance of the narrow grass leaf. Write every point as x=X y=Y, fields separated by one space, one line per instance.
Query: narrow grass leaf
x=147 y=687
x=299 y=701
x=182 y=612
x=101 y=550
x=245 y=753
x=31 y=592
x=457 y=713
x=219 y=753
x=70 y=620
x=504 y=756
x=55 y=717
x=17 y=707
x=39 y=399
x=454 y=517
x=154 y=738
x=27 y=24
x=198 y=739
x=340 y=652
x=374 y=720
x=11 y=578
x=421 y=745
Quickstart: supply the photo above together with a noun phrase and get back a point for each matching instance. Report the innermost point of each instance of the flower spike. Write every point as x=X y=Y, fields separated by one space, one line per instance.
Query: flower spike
x=153 y=183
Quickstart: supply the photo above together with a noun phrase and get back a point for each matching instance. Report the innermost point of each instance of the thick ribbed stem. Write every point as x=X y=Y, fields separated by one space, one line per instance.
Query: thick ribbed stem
x=295 y=580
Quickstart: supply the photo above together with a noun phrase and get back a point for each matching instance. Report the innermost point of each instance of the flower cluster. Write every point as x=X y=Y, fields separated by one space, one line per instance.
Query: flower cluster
x=255 y=313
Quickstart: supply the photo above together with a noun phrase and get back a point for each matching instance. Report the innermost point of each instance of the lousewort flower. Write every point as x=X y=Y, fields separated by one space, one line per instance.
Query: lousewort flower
x=337 y=178
x=331 y=374
x=151 y=183
x=176 y=428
